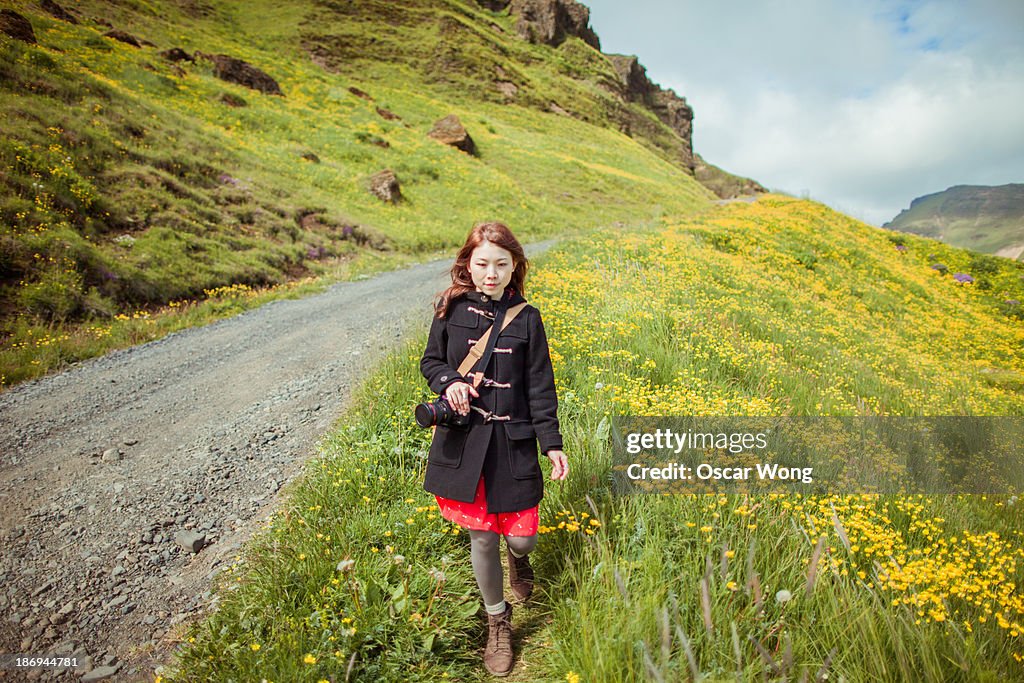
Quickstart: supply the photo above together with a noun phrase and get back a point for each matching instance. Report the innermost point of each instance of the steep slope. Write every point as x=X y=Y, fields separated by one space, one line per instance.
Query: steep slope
x=979 y=217
x=136 y=176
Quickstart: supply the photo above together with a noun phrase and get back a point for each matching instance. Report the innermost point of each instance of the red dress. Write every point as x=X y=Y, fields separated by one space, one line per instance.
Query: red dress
x=475 y=516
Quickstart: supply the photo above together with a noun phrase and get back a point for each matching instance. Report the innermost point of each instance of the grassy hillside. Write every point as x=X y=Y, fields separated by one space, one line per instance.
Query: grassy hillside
x=135 y=187
x=986 y=219
x=773 y=308
x=724 y=184
x=141 y=195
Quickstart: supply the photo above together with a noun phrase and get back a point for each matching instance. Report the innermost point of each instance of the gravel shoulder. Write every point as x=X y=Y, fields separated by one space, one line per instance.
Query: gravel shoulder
x=113 y=470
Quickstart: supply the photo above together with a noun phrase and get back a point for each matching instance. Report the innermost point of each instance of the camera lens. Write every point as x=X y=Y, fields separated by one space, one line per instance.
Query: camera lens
x=426 y=415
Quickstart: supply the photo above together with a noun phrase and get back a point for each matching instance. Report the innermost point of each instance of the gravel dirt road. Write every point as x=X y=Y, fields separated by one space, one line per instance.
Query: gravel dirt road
x=112 y=471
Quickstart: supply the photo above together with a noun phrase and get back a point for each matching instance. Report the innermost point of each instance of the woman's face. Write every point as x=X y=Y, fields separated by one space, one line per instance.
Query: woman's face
x=491 y=268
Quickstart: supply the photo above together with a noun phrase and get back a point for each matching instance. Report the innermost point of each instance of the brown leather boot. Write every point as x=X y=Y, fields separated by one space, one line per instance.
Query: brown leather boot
x=498 y=653
x=520 y=575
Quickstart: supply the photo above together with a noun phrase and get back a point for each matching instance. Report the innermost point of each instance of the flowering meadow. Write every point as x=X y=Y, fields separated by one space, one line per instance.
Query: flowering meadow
x=780 y=307
x=784 y=307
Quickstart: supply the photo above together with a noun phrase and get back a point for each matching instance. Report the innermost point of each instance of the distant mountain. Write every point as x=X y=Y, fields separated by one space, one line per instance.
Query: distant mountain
x=978 y=217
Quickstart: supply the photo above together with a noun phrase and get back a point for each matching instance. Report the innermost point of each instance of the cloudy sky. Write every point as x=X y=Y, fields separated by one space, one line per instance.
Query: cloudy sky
x=863 y=105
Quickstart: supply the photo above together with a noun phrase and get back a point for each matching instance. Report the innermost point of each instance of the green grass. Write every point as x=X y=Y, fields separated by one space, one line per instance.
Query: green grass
x=105 y=140
x=646 y=587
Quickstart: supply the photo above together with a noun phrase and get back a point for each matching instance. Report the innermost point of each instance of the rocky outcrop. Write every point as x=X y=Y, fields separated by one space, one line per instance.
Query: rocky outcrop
x=384 y=186
x=16 y=26
x=123 y=36
x=669 y=107
x=723 y=183
x=632 y=76
x=57 y=11
x=550 y=22
x=507 y=89
x=361 y=94
x=232 y=100
x=450 y=131
x=677 y=115
x=176 y=54
x=235 y=70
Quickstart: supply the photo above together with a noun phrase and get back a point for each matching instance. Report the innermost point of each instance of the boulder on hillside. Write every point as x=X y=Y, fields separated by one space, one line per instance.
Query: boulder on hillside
x=57 y=11
x=232 y=100
x=384 y=185
x=505 y=83
x=549 y=22
x=17 y=26
x=235 y=70
x=555 y=109
x=176 y=54
x=123 y=36
x=371 y=139
x=508 y=89
x=450 y=131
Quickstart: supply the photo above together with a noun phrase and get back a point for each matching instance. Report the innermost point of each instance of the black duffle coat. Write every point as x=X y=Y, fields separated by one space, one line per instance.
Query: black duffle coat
x=519 y=383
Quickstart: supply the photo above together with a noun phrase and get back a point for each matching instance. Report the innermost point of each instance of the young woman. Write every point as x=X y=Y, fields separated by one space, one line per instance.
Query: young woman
x=486 y=476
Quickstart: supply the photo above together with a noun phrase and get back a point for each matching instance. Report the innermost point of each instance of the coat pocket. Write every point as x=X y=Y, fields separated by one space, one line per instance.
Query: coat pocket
x=460 y=317
x=447 y=446
x=517 y=328
x=522 y=450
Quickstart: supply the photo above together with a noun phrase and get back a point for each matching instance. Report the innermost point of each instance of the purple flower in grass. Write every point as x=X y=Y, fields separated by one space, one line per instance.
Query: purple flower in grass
x=963 y=278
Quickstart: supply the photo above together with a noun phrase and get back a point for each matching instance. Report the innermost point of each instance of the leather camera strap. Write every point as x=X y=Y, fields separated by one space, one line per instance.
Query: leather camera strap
x=484 y=345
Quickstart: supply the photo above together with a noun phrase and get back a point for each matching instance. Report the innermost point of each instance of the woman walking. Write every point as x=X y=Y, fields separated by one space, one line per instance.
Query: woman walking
x=486 y=474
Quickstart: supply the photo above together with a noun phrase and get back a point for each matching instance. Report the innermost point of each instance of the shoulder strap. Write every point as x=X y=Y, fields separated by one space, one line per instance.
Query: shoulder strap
x=477 y=351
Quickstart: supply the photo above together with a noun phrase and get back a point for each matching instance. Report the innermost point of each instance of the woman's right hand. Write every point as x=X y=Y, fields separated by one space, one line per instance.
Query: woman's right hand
x=458 y=396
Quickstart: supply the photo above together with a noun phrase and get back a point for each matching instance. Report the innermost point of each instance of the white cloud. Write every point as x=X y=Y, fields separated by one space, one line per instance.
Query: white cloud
x=864 y=105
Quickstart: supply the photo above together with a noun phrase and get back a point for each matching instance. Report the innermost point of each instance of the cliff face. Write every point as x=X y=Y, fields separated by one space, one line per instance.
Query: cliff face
x=669 y=107
x=548 y=22
x=551 y=22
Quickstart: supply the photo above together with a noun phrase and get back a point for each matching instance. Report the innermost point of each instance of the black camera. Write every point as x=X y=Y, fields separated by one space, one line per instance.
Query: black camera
x=440 y=412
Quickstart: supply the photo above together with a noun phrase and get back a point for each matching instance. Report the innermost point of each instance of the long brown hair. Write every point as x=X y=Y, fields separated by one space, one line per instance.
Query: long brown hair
x=497 y=234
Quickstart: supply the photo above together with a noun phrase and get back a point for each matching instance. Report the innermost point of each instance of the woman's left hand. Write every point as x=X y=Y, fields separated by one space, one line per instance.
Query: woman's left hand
x=559 y=465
